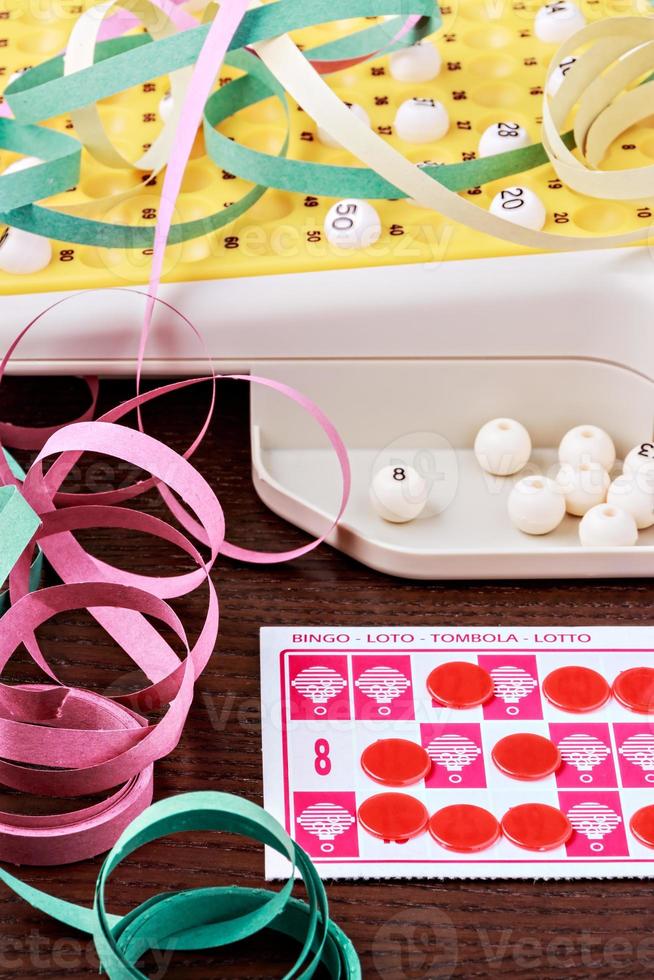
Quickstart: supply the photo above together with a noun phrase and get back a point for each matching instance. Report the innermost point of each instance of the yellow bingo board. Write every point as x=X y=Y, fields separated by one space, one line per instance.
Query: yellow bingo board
x=493 y=69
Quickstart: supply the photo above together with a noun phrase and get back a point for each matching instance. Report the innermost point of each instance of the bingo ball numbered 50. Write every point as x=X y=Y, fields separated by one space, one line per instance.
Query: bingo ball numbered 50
x=352 y=224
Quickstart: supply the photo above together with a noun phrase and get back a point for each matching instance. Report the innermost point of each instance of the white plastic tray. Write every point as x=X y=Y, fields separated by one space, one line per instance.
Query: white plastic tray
x=396 y=356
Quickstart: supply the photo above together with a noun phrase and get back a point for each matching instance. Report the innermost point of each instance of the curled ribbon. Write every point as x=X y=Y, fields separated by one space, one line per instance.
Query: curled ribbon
x=619 y=47
x=112 y=744
x=206 y=918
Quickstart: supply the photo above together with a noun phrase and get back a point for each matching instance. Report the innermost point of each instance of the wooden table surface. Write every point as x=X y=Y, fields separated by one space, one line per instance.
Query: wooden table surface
x=402 y=929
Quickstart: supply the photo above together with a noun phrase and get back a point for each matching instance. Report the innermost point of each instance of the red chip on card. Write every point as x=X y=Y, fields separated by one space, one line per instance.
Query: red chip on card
x=460 y=684
x=526 y=756
x=642 y=825
x=536 y=826
x=393 y=816
x=395 y=762
x=464 y=828
x=576 y=689
x=634 y=689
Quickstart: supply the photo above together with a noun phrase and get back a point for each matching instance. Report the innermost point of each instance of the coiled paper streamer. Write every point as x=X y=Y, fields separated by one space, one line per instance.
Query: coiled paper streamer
x=121 y=63
x=205 y=918
x=67 y=742
x=71 y=223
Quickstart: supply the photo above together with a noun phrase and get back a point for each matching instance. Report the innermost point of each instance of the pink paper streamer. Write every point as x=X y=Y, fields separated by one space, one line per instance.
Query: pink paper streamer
x=121 y=23
x=60 y=741
x=111 y=743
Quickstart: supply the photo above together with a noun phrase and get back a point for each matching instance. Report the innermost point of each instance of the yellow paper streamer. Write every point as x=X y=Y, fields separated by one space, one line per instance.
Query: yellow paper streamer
x=601 y=122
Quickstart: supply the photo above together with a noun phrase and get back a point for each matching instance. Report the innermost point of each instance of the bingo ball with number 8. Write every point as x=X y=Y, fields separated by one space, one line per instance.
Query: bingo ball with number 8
x=352 y=224
x=398 y=493
x=520 y=206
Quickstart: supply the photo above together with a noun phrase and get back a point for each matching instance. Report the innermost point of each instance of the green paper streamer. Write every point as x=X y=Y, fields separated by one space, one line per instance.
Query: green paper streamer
x=18 y=524
x=59 y=171
x=31 y=95
x=44 y=91
x=326 y=180
x=205 y=918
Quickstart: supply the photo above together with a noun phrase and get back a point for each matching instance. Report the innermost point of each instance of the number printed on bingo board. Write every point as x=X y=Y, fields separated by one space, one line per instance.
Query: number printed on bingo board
x=467 y=752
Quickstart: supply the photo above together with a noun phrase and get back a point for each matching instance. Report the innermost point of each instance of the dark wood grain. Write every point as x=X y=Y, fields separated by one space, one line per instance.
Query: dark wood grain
x=402 y=929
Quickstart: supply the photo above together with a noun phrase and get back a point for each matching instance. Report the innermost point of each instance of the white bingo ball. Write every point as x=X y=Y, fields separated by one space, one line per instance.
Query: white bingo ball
x=15 y=75
x=587 y=444
x=352 y=224
x=520 y=206
x=502 y=447
x=356 y=110
x=555 y=81
x=23 y=164
x=419 y=63
x=398 y=493
x=583 y=486
x=607 y=526
x=502 y=136
x=421 y=121
x=21 y=252
x=626 y=493
x=640 y=464
x=556 y=22
x=536 y=505
x=166 y=107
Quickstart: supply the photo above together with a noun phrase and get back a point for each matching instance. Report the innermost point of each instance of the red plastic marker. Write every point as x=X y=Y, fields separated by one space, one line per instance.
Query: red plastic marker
x=460 y=685
x=464 y=828
x=393 y=816
x=536 y=827
x=634 y=689
x=395 y=762
x=526 y=756
x=576 y=689
x=642 y=825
